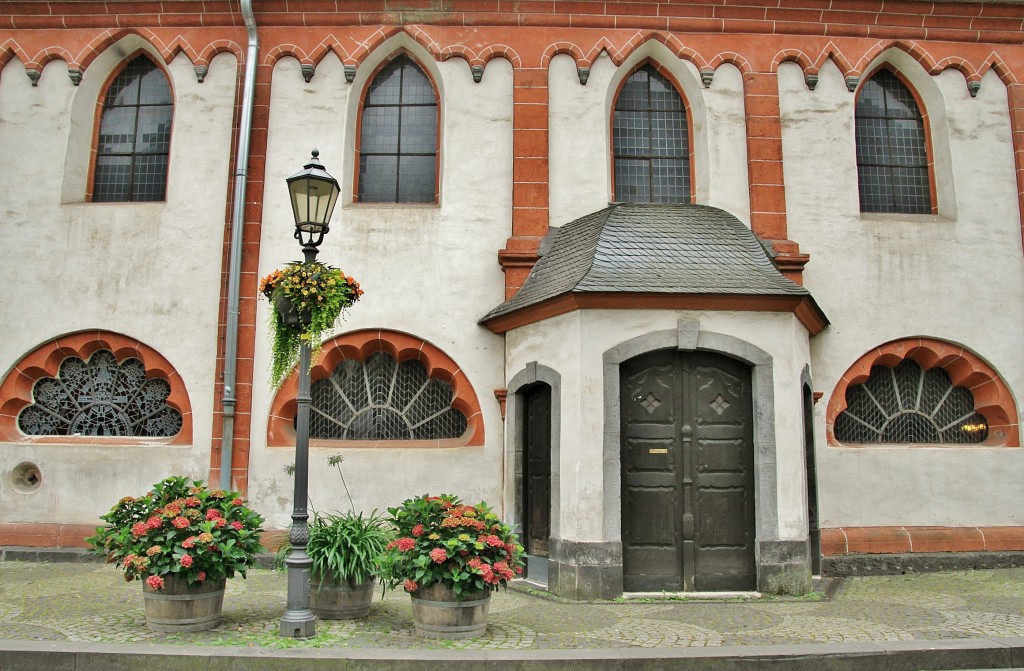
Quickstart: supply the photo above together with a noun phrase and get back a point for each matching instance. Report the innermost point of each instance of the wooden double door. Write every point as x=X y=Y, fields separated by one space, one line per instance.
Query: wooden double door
x=687 y=473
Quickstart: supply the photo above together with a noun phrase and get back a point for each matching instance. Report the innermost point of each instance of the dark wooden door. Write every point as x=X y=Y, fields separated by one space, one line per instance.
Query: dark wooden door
x=687 y=473
x=537 y=470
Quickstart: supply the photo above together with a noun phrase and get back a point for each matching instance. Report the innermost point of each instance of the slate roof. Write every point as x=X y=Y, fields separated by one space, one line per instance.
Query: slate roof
x=640 y=248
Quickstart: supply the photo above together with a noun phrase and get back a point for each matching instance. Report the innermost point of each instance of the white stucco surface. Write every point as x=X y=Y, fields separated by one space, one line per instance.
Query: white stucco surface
x=957 y=276
x=428 y=270
x=150 y=271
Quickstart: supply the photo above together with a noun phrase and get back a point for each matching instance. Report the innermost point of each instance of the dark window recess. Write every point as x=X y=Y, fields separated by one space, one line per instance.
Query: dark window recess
x=383 y=399
x=398 y=137
x=100 y=397
x=135 y=136
x=892 y=162
x=651 y=143
x=908 y=405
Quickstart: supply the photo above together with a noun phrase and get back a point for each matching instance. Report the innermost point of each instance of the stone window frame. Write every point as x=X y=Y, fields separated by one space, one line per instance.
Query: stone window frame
x=992 y=397
x=400 y=52
x=100 y=108
x=359 y=345
x=688 y=108
x=45 y=360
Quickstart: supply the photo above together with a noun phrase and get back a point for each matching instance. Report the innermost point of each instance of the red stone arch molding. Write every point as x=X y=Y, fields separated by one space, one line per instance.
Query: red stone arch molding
x=359 y=345
x=992 y=397
x=45 y=361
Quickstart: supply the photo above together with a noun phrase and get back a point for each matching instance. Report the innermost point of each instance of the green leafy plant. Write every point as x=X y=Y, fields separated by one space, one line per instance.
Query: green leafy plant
x=180 y=528
x=315 y=294
x=344 y=546
x=441 y=540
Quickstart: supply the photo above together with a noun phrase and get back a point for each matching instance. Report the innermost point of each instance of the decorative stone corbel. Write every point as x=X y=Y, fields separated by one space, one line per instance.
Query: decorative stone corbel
x=350 y=73
x=706 y=75
x=851 y=82
x=584 y=74
x=33 y=75
x=478 y=73
x=811 y=80
x=201 y=71
x=308 y=70
x=76 y=76
x=973 y=88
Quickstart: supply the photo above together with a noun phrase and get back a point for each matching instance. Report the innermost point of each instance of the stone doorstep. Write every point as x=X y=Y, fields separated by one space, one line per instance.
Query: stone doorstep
x=993 y=653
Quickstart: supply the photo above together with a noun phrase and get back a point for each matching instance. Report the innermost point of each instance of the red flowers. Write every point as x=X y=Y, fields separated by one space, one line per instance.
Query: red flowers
x=417 y=530
x=405 y=544
x=410 y=586
x=154 y=522
x=237 y=502
x=186 y=560
x=155 y=582
x=139 y=529
x=213 y=514
x=439 y=555
x=189 y=542
x=236 y=525
x=180 y=522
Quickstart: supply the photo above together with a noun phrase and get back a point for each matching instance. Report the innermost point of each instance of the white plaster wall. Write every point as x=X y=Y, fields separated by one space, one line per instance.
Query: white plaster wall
x=150 y=271
x=957 y=276
x=579 y=137
x=574 y=345
x=427 y=270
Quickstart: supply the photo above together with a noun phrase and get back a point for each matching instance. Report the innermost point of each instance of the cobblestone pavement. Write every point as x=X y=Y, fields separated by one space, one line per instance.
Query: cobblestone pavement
x=91 y=602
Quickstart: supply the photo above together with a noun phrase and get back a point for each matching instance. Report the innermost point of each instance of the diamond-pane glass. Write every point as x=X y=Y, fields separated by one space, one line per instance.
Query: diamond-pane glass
x=100 y=397
x=135 y=136
x=892 y=157
x=906 y=404
x=398 y=136
x=650 y=141
x=383 y=399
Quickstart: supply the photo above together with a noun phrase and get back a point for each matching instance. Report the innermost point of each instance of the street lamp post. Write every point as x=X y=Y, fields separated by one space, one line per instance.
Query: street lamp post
x=313 y=195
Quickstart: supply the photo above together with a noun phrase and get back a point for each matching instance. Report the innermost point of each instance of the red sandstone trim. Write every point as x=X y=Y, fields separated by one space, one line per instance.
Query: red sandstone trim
x=844 y=541
x=358 y=345
x=45 y=361
x=992 y=397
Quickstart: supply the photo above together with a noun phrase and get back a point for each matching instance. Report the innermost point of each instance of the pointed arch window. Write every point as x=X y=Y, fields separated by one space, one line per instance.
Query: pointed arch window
x=398 y=136
x=135 y=135
x=650 y=141
x=892 y=151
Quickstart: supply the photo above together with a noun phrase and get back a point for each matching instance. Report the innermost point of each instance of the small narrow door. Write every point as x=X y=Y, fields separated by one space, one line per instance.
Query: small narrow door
x=687 y=473
x=537 y=470
x=813 y=532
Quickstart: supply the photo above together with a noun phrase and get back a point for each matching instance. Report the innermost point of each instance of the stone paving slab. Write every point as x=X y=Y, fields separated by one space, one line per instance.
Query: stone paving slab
x=969 y=619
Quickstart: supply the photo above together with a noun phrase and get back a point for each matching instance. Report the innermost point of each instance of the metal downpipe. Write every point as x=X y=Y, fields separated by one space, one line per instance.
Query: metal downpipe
x=235 y=263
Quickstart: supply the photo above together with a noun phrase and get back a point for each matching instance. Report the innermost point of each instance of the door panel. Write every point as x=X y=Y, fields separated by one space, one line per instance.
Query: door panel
x=537 y=471
x=687 y=473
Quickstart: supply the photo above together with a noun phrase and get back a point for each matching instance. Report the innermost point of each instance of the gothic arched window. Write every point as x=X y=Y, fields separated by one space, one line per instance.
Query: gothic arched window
x=892 y=152
x=650 y=141
x=135 y=135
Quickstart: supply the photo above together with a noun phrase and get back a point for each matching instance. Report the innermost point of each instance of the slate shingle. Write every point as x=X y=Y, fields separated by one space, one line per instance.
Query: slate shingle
x=639 y=248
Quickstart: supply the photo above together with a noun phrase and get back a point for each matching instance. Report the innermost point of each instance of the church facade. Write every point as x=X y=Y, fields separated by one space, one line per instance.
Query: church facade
x=699 y=296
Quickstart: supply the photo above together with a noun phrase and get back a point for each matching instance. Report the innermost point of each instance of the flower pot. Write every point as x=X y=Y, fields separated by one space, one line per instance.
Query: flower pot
x=291 y=316
x=183 y=607
x=437 y=613
x=340 y=601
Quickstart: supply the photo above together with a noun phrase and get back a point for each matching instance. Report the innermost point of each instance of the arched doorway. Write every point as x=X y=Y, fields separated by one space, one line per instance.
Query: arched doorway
x=536 y=481
x=687 y=455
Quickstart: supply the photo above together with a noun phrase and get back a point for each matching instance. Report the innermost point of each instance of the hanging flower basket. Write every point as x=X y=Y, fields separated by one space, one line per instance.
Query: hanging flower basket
x=308 y=298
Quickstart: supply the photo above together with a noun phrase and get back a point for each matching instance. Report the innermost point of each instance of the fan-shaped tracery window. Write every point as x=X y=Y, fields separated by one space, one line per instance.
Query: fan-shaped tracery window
x=383 y=399
x=100 y=397
x=906 y=404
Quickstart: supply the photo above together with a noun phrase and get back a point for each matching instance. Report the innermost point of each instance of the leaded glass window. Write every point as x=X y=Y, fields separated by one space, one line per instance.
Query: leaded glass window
x=383 y=399
x=650 y=141
x=906 y=404
x=892 y=158
x=100 y=397
x=398 y=136
x=135 y=136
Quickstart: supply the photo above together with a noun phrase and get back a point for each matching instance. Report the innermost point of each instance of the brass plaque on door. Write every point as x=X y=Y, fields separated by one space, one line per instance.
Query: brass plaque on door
x=658 y=450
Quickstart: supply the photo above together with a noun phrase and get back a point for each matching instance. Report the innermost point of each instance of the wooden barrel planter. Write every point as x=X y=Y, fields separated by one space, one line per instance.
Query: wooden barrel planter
x=437 y=613
x=183 y=607
x=340 y=601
